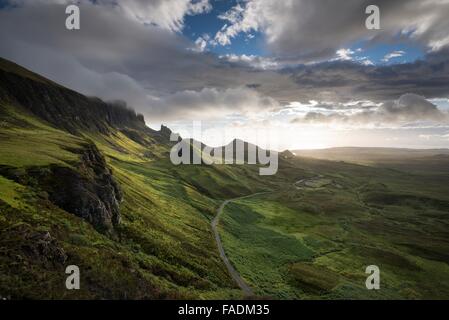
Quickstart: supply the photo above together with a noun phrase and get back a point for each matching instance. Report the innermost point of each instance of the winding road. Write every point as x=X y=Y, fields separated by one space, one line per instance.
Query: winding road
x=234 y=274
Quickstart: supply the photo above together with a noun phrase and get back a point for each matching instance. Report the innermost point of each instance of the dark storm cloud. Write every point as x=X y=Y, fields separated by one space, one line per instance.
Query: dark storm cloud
x=343 y=81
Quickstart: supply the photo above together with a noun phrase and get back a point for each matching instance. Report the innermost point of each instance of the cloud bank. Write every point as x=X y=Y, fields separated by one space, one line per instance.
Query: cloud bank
x=409 y=110
x=132 y=50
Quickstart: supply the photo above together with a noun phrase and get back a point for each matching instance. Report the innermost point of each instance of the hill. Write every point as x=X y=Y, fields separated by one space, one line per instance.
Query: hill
x=84 y=182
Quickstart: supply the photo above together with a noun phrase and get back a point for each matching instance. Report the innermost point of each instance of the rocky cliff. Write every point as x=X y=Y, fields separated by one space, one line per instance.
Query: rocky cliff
x=86 y=189
x=62 y=107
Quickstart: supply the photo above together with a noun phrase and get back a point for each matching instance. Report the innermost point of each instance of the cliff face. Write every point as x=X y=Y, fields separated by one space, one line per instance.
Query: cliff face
x=87 y=189
x=90 y=191
x=63 y=108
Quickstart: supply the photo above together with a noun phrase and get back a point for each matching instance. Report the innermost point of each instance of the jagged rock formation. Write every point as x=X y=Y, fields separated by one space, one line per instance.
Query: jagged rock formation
x=89 y=192
x=165 y=132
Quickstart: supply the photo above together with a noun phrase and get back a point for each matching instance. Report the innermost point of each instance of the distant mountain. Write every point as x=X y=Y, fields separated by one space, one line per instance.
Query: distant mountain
x=398 y=158
x=368 y=154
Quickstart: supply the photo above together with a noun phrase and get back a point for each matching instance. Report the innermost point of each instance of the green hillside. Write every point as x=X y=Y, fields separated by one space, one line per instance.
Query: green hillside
x=85 y=182
x=163 y=246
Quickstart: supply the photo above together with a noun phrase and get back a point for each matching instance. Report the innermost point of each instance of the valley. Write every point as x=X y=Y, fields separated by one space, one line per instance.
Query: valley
x=315 y=242
x=307 y=232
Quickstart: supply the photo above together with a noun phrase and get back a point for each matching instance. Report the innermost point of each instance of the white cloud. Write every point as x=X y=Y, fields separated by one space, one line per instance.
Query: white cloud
x=201 y=43
x=392 y=55
x=314 y=30
x=367 y=62
x=344 y=54
x=350 y=55
x=409 y=110
x=254 y=61
x=239 y=19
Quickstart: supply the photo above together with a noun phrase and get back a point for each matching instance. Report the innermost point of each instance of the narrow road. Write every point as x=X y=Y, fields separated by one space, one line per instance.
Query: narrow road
x=234 y=274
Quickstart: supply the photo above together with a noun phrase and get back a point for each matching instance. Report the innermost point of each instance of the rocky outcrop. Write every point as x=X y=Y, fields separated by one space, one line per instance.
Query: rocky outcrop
x=165 y=132
x=287 y=154
x=163 y=135
x=86 y=189
x=90 y=192
x=42 y=246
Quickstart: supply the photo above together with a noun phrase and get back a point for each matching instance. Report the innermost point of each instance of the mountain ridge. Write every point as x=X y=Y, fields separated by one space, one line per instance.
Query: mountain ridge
x=61 y=106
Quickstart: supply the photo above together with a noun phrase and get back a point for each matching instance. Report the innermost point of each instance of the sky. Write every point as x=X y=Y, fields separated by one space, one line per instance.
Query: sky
x=293 y=74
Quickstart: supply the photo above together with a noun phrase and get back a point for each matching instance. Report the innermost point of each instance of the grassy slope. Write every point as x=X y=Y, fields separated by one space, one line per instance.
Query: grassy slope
x=317 y=242
x=307 y=243
x=166 y=247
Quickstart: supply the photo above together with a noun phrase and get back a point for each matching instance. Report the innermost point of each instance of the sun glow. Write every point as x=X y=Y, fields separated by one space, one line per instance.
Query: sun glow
x=271 y=136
